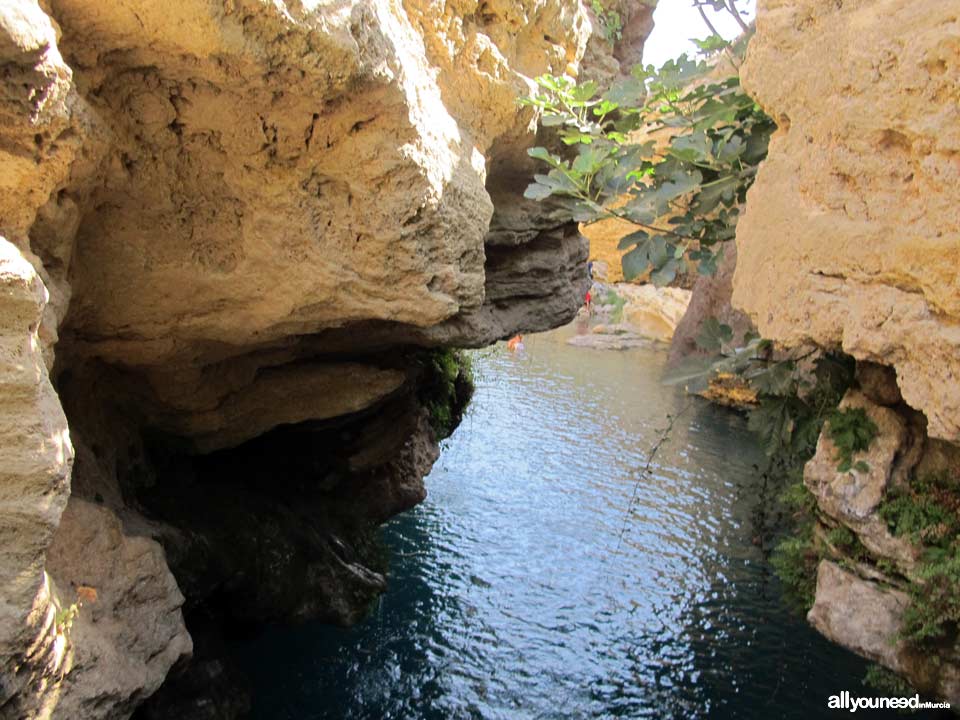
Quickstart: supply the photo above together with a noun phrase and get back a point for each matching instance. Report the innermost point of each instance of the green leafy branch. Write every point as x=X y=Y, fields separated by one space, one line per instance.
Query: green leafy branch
x=797 y=391
x=683 y=195
x=63 y=618
x=610 y=21
x=927 y=512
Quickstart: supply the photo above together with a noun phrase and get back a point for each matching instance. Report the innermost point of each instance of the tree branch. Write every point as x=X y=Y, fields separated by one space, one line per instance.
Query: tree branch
x=732 y=8
x=713 y=30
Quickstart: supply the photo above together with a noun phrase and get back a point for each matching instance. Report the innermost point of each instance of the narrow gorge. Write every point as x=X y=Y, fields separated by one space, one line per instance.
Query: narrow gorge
x=245 y=244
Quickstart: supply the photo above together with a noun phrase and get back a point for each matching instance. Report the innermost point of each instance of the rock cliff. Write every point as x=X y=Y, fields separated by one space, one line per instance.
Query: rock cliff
x=236 y=238
x=851 y=241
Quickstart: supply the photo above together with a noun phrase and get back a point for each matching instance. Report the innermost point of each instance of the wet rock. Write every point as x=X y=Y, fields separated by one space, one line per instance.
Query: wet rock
x=859 y=614
x=866 y=616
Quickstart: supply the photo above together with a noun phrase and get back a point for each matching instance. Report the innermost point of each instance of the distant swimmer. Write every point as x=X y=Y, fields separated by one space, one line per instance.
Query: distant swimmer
x=515 y=343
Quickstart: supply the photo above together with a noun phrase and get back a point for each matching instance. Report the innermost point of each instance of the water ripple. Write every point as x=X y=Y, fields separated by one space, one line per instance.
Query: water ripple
x=509 y=598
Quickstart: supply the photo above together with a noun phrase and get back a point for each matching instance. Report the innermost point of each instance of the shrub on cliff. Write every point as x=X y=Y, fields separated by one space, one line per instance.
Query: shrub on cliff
x=927 y=511
x=795 y=562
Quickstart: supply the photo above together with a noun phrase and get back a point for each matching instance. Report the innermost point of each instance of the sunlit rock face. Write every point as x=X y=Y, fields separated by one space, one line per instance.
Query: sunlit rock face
x=851 y=241
x=851 y=237
x=35 y=460
x=614 y=49
x=233 y=232
x=862 y=605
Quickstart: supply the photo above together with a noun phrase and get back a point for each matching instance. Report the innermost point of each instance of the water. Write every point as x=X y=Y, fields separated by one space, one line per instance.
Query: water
x=510 y=599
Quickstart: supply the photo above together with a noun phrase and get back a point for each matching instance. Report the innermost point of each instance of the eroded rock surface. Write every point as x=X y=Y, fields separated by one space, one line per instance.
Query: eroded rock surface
x=620 y=32
x=858 y=614
x=851 y=237
x=853 y=497
x=866 y=617
x=855 y=494
x=128 y=621
x=234 y=235
x=624 y=315
x=296 y=169
x=851 y=241
x=35 y=461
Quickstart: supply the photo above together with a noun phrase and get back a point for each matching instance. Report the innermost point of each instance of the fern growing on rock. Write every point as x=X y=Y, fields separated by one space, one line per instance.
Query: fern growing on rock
x=851 y=431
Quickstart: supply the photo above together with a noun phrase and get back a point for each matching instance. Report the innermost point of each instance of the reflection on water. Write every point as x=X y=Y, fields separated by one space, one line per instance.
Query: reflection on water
x=508 y=598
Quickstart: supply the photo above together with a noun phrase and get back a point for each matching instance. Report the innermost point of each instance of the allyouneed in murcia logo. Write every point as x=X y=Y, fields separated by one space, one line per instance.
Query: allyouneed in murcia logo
x=846 y=701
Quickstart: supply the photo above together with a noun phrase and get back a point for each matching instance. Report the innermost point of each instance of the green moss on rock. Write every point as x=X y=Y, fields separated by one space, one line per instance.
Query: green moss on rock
x=446 y=388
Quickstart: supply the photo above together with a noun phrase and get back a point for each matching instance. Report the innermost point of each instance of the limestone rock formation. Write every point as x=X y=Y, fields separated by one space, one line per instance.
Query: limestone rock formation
x=851 y=241
x=625 y=315
x=853 y=497
x=851 y=238
x=236 y=235
x=621 y=28
x=866 y=616
x=855 y=494
x=128 y=630
x=35 y=460
x=862 y=605
x=655 y=311
x=858 y=614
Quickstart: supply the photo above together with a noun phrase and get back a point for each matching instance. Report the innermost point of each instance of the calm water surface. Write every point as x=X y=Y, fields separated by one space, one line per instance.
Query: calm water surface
x=509 y=598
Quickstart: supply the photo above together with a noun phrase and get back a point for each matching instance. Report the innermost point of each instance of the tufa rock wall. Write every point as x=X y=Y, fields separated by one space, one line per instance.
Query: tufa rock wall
x=852 y=237
x=36 y=456
x=234 y=238
x=851 y=241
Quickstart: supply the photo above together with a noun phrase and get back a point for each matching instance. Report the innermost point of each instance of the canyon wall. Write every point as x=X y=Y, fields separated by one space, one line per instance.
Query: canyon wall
x=855 y=241
x=851 y=241
x=236 y=239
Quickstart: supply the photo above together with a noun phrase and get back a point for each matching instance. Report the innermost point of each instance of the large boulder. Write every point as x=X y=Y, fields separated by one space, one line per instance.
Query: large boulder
x=866 y=616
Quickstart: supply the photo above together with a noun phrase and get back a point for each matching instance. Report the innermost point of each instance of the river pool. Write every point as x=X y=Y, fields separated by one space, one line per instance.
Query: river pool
x=510 y=598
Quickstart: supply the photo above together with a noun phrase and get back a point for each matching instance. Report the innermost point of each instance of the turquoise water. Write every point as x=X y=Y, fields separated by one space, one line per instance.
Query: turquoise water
x=510 y=598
